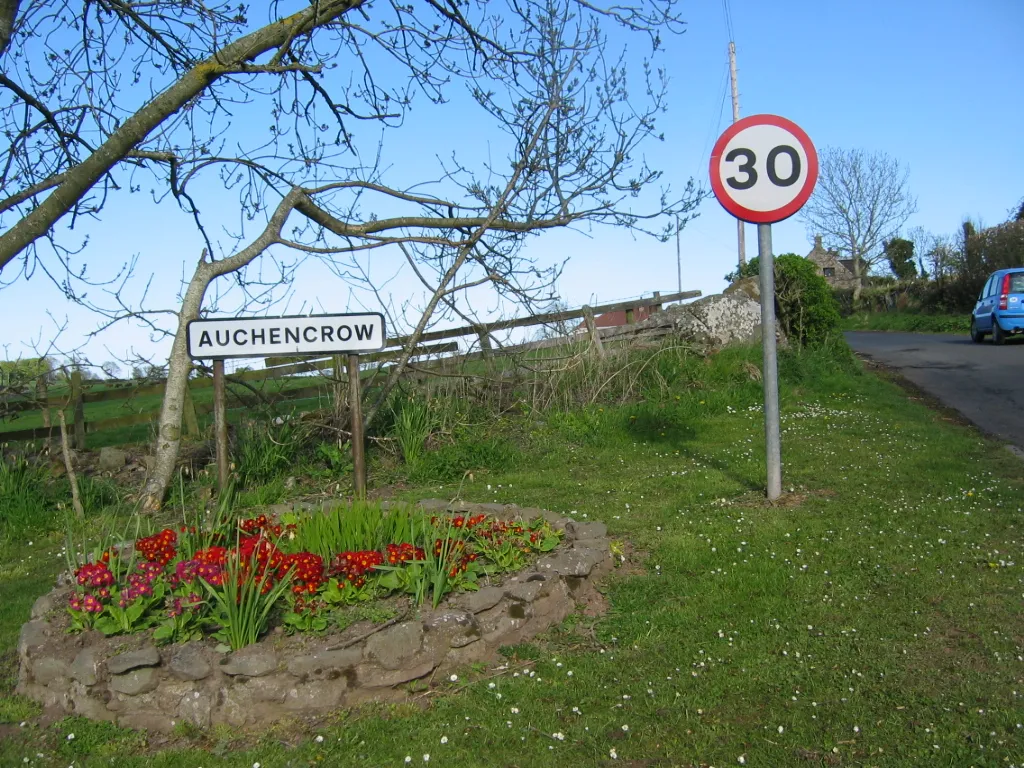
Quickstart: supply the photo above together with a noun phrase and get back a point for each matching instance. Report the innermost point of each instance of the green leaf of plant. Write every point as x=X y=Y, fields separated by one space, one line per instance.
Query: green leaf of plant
x=107 y=626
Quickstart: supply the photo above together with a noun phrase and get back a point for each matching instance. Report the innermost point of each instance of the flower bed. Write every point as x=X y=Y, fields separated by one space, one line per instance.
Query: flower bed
x=171 y=627
x=229 y=579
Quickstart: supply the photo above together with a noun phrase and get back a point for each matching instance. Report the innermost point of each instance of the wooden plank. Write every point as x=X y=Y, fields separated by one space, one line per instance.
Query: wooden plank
x=323 y=363
x=35 y=433
x=122 y=421
x=550 y=317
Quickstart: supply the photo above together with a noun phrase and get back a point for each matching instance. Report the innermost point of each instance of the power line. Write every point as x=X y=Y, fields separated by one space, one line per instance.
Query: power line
x=727 y=12
x=715 y=127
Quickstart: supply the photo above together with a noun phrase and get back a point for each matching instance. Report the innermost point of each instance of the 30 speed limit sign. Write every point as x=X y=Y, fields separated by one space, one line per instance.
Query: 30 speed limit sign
x=763 y=169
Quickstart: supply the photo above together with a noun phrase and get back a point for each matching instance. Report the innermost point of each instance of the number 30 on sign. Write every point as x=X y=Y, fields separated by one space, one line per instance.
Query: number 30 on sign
x=763 y=169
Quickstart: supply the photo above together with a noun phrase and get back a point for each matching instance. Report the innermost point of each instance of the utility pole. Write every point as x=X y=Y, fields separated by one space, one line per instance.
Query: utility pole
x=679 y=257
x=741 y=237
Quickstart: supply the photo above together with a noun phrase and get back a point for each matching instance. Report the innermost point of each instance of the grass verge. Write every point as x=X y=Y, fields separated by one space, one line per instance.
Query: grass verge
x=915 y=322
x=870 y=618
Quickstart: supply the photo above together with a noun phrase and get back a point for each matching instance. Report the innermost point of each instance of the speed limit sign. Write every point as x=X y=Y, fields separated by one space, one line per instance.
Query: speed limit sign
x=763 y=169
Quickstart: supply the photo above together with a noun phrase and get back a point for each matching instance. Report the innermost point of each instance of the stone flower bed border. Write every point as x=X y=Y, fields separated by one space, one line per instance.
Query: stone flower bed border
x=129 y=680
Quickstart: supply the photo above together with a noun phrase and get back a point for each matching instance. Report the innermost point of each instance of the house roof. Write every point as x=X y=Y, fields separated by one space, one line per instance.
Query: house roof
x=616 y=319
x=822 y=257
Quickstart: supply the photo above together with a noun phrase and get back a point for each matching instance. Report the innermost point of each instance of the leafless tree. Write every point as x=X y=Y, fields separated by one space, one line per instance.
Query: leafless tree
x=542 y=74
x=861 y=200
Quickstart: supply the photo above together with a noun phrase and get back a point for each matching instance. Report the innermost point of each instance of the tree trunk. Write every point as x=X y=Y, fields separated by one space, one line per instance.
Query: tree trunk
x=178 y=366
x=858 y=281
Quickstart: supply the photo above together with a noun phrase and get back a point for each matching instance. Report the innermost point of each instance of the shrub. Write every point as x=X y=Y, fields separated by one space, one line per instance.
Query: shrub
x=804 y=304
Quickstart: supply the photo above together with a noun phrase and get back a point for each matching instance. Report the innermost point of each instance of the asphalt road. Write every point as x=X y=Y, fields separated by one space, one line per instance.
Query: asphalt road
x=985 y=383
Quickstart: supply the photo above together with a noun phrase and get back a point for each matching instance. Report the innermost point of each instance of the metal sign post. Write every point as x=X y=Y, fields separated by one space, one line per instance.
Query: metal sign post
x=763 y=170
x=770 y=368
x=287 y=336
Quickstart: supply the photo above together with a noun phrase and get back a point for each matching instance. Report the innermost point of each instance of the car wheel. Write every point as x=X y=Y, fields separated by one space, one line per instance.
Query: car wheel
x=998 y=337
x=976 y=336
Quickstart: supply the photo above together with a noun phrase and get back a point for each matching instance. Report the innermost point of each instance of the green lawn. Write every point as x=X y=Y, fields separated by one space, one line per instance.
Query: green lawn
x=870 y=619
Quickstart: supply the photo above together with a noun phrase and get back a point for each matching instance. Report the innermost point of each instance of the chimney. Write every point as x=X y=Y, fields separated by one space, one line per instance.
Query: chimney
x=817 y=243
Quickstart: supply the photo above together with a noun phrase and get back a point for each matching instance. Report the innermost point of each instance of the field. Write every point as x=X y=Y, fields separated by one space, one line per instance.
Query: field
x=871 y=618
x=270 y=390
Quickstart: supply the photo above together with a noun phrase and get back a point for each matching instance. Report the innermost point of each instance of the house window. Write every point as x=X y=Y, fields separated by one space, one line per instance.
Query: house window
x=829 y=271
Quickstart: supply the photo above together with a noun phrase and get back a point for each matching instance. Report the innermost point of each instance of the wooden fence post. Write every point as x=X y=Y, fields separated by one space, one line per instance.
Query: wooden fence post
x=356 y=415
x=595 y=336
x=220 y=425
x=79 y=405
x=191 y=420
x=338 y=388
x=41 y=396
x=656 y=307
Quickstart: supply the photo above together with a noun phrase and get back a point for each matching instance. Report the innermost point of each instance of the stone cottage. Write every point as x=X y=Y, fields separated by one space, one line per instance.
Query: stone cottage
x=837 y=272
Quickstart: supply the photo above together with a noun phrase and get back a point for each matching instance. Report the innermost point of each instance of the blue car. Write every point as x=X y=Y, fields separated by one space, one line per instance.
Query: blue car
x=1000 y=307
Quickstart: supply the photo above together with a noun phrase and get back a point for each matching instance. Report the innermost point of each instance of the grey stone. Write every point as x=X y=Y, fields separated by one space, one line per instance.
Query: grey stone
x=324 y=661
x=43 y=605
x=502 y=629
x=488 y=597
x=599 y=545
x=112 y=459
x=747 y=286
x=371 y=676
x=86 y=706
x=50 y=698
x=714 y=321
x=395 y=645
x=196 y=708
x=587 y=530
x=574 y=562
x=33 y=634
x=46 y=671
x=433 y=505
x=86 y=666
x=312 y=696
x=236 y=707
x=468 y=654
x=136 y=682
x=147 y=656
x=525 y=591
x=170 y=693
x=252 y=661
x=146 y=721
x=452 y=628
x=498 y=510
x=189 y=663
x=272 y=688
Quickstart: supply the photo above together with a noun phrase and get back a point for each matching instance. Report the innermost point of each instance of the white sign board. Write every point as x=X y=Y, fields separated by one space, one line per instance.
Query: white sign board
x=763 y=169
x=274 y=336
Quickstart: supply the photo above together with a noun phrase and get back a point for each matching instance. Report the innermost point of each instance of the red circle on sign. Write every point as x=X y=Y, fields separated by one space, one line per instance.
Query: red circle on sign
x=778 y=214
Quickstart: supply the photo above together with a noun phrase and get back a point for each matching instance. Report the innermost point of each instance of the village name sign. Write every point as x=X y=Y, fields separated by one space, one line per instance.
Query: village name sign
x=273 y=336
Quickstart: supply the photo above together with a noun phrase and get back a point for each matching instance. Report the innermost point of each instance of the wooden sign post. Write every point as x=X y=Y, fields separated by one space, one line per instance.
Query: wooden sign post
x=220 y=425
x=358 y=439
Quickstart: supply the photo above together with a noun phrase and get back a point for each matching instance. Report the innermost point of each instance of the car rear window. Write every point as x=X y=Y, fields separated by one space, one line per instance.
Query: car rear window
x=1017 y=282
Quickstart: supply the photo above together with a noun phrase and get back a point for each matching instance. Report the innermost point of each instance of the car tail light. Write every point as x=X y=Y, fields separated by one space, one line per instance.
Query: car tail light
x=1004 y=293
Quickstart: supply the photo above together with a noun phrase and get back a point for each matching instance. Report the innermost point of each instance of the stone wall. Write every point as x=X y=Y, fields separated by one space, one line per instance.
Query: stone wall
x=136 y=684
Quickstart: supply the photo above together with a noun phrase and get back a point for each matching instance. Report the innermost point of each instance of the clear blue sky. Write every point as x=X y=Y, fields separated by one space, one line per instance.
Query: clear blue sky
x=935 y=85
